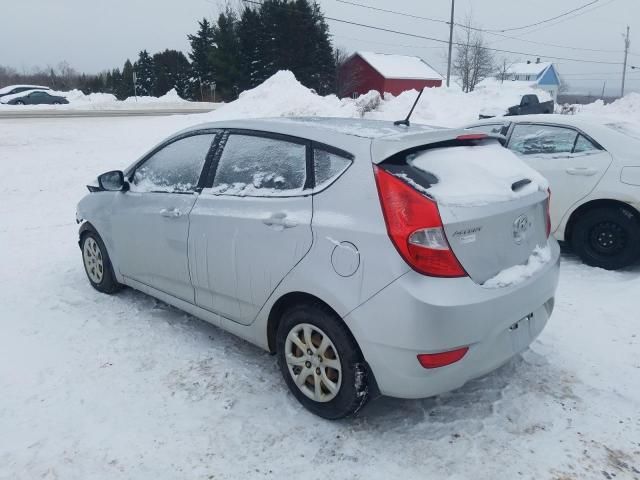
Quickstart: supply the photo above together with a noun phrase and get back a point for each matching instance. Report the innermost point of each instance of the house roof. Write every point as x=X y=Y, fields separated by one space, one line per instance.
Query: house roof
x=529 y=68
x=400 y=66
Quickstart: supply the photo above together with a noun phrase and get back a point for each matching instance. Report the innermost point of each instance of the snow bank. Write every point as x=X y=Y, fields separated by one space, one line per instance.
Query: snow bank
x=519 y=273
x=626 y=108
x=170 y=97
x=477 y=175
x=283 y=96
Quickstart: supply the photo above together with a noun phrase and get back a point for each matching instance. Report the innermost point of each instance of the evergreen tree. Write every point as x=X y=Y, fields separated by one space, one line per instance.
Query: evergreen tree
x=250 y=48
x=145 y=74
x=171 y=70
x=124 y=87
x=202 y=45
x=224 y=58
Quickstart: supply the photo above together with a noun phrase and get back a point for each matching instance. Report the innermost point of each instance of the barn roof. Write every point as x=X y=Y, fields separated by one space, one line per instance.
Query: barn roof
x=400 y=66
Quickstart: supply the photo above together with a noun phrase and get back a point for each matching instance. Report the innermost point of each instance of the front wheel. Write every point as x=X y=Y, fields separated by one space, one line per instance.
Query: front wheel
x=321 y=362
x=607 y=237
x=97 y=264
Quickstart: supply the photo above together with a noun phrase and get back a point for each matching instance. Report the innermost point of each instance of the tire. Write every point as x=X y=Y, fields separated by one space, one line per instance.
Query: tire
x=340 y=364
x=607 y=237
x=97 y=264
x=19 y=102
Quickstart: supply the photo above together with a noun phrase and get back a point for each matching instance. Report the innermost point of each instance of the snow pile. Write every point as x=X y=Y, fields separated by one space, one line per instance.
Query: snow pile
x=519 y=273
x=170 y=97
x=283 y=96
x=450 y=107
x=626 y=108
x=476 y=175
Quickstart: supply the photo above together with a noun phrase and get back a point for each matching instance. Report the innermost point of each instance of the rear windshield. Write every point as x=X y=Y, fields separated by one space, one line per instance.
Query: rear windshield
x=472 y=174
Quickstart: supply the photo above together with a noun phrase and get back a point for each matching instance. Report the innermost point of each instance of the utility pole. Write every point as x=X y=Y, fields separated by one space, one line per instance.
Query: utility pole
x=453 y=8
x=627 y=44
x=604 y=86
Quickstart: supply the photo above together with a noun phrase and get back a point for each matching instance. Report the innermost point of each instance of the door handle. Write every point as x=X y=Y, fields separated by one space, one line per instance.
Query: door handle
x=170 y=212
x=280 y=220
x=583 y=171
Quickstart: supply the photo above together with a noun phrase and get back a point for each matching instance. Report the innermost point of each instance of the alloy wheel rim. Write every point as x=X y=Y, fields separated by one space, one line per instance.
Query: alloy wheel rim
x=93 y=261
x=313 y=362
x=607 y=238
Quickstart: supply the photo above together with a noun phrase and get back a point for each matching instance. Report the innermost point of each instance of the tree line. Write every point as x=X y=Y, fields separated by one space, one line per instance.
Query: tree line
x=240 y=50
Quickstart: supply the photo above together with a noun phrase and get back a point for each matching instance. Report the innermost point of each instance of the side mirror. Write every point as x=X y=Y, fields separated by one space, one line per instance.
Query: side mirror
x=113 y=181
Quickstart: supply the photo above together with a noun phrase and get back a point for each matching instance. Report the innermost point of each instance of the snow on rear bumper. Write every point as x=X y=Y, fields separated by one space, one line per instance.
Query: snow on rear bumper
x=418 y=314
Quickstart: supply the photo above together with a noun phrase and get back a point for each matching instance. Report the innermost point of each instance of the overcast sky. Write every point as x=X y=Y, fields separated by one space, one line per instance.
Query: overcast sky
x=93 y=35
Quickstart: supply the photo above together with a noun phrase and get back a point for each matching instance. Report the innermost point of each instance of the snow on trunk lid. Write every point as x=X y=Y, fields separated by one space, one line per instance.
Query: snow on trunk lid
x=492 y=205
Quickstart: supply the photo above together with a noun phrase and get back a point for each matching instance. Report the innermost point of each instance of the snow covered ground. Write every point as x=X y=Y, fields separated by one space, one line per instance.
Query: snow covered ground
x=100 y=387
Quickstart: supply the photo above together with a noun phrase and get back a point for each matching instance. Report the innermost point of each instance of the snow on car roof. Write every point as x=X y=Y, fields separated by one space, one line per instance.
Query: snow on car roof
x=400 y=66
x=8 y=88
x=354 y=127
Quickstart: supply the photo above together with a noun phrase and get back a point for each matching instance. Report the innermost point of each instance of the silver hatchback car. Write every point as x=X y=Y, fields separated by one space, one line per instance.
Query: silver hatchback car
x=320 y=240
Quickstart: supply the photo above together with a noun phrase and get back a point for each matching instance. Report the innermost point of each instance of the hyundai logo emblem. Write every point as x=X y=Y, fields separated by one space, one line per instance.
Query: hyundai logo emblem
x=521 y=226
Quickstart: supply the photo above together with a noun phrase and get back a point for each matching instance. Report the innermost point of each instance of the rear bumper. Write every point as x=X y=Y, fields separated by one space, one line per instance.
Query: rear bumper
x=418 y=314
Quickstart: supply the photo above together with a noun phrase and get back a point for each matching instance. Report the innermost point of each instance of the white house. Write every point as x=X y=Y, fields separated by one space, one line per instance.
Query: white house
x=542 y=75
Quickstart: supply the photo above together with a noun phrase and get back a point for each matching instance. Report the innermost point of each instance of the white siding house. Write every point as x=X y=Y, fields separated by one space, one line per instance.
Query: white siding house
x=542 y=75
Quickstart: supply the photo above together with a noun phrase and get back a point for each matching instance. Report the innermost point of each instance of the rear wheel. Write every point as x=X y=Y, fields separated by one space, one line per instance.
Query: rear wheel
x=97 y=264
x=607 y=237
x=321 y=362
x=19 y=102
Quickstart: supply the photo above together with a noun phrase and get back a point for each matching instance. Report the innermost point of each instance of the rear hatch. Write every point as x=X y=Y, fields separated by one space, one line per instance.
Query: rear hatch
x=493 y=207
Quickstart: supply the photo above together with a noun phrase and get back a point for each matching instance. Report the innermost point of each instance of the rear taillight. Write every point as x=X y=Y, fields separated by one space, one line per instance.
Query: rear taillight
x=415 y=228
x=548 y=219
x=437 y=360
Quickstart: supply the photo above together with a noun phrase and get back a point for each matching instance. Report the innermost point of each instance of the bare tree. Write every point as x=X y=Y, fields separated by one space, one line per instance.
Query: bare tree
x=473 y=61
x=504 y=67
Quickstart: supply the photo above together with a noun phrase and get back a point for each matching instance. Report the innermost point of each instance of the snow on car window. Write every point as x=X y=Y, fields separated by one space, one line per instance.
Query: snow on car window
x=259 y=166
x=628 y=129
x=327 y=166
x=541 y=139
x=475 y=175
x=175 y=168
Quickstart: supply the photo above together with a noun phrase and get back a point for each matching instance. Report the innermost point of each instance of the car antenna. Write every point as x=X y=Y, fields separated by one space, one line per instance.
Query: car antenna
x=406 y=120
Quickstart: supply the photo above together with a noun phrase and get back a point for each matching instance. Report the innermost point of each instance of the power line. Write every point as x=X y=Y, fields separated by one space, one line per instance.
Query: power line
x=439 y=40
x=546 y=20
x=570 y=18
x=490 y=32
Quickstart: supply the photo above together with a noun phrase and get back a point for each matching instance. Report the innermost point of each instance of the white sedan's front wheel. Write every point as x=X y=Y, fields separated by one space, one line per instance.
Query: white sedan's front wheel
x=97 y=264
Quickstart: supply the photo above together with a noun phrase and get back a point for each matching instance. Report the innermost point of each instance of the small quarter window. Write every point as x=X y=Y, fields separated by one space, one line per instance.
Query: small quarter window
x=584 y=145
x=261 y=166
x=327 y=167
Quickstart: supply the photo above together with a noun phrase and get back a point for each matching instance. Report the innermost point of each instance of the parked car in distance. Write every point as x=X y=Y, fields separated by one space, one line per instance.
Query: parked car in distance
x=13 y=89
x=34 y=97
x=529 y=105
x=346 y=247
x=594 y=171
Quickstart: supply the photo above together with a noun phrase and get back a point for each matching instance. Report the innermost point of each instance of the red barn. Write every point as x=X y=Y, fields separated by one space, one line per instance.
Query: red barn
x=364 y=71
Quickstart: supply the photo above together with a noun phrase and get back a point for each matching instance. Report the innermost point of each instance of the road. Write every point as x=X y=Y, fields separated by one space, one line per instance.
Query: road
x=140 y=111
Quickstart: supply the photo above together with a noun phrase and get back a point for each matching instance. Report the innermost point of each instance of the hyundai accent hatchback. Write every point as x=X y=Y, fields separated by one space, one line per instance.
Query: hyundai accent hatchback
x=371 y=258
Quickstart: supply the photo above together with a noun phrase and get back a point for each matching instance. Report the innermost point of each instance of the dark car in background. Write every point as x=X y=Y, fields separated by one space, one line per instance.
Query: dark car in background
x=13 y=89
x=37 y=97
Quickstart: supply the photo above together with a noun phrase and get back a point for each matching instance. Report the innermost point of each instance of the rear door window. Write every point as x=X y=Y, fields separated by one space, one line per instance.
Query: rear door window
x=259 y=166
x=175 y=168
x=542 y=139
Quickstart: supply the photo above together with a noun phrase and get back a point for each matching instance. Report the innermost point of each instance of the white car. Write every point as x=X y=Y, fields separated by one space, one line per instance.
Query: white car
x=593 y=168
